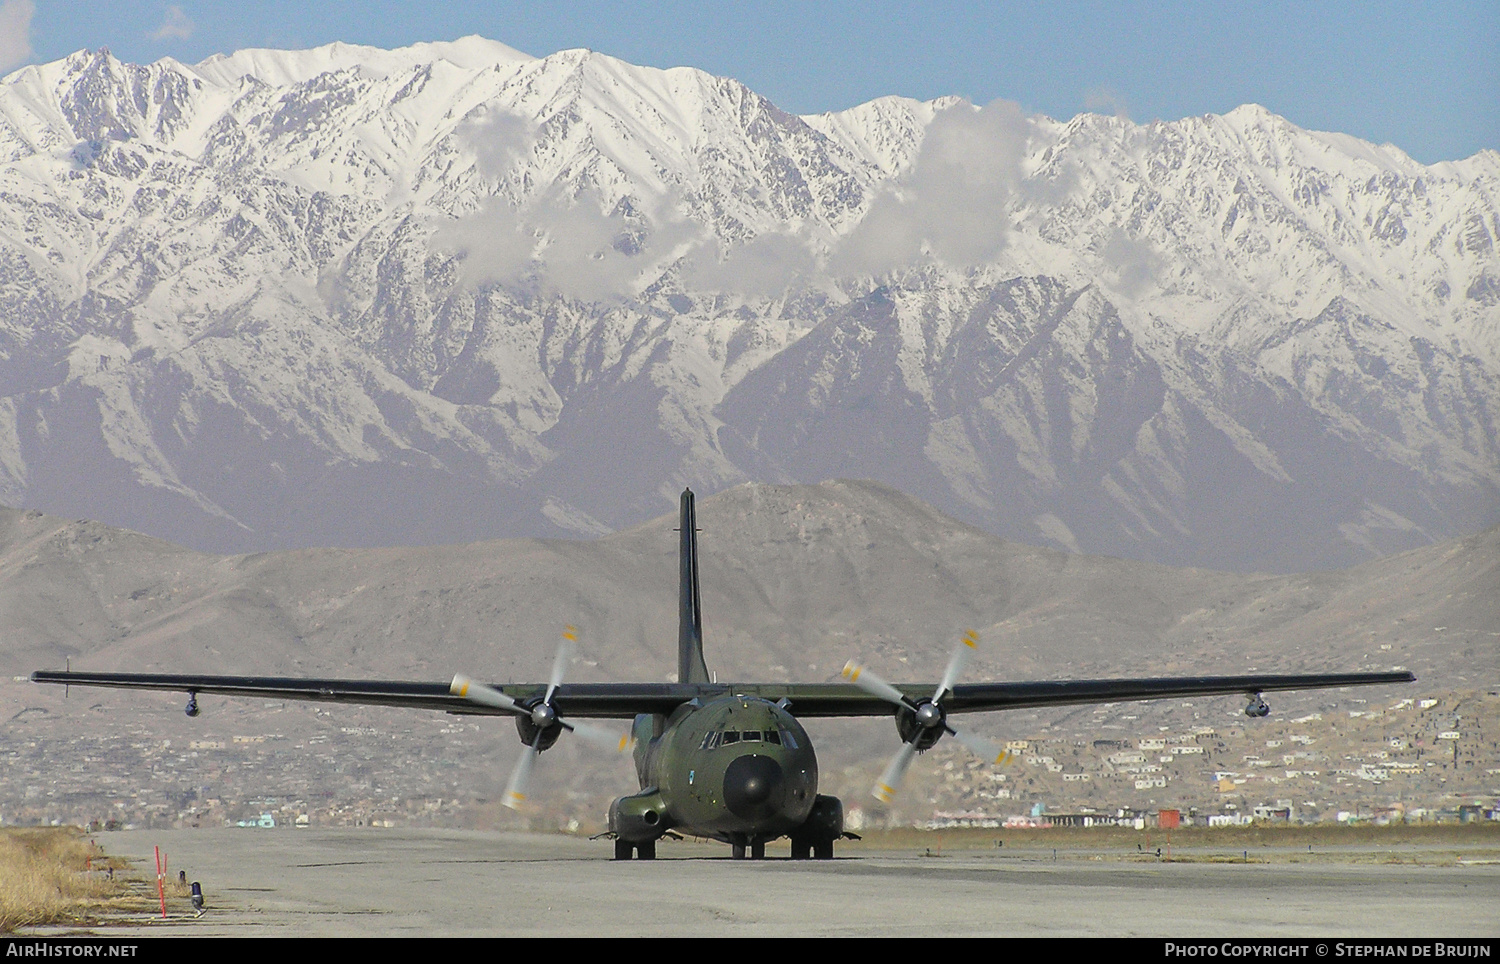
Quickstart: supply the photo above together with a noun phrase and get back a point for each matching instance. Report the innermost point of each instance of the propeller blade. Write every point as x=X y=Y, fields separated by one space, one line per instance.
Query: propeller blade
x=599 y=736
x=895 y=772
x=515 y=794
x=857 y=674
x=966 y=646
x=982 y=748
x=543 y=715
x=929 y=716
x=468 y=689
x=561 y=660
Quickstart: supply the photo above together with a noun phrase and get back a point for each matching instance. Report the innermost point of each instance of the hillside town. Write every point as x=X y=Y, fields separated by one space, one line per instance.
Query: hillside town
x=1415 y=759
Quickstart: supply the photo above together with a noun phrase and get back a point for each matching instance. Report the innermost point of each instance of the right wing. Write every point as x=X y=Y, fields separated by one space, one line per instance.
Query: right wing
x=596 y=700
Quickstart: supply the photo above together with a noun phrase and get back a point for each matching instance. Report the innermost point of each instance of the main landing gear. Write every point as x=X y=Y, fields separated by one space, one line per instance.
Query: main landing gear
x=757 y=850
x=808 y=849
x=645 y=850
x=802 y=849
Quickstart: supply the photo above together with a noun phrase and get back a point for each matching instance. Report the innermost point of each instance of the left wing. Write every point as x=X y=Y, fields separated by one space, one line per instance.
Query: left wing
x=844 y=699
x=625 y=700
x=973 y=697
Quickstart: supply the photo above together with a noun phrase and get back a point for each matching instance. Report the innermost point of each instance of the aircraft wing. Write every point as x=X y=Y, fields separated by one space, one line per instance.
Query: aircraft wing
x=596 y=700
x=625 y=700
x=975 y=697
x=843 y=699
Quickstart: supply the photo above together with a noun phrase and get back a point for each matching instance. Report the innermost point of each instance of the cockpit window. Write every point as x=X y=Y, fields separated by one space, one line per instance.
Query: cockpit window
x=726 y=737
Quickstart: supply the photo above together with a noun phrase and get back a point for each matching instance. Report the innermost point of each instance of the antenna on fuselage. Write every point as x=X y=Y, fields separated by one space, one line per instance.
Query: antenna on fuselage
x=690 y=665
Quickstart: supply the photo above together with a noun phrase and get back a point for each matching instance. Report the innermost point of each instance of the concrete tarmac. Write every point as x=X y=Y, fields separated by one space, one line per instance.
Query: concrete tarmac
x=420 y=883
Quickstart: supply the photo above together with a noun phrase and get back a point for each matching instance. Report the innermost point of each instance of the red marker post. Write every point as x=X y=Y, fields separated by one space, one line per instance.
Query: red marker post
x=161 y=880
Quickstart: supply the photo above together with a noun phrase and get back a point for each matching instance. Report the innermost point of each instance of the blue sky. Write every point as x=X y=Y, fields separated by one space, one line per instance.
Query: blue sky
x=1425 y=77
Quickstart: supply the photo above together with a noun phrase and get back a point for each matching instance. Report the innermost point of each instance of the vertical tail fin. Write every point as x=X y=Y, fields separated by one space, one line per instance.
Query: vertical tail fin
x=690 y=665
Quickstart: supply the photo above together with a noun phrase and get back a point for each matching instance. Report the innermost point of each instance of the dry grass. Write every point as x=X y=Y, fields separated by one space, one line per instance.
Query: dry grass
x=55 y=875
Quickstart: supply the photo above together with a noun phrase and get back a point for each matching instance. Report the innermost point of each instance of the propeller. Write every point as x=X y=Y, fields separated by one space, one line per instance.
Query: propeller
x=540 y=717
x=931 y=722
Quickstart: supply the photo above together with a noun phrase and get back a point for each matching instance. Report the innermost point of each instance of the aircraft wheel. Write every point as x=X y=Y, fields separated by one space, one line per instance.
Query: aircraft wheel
x=646 y=850
x=823 y=849
x=738 y=850
x=622 y=849
x=800 y=850
x=758 y=850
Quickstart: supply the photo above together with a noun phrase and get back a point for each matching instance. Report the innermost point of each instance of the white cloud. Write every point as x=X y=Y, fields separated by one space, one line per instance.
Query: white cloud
x=568 y=246
x=579 y=247
x=1106 y=100
x=176 y=25
x=500 y=140
x=15 y=32
x=1132 y=261
x=952 y=206
x=765 y=266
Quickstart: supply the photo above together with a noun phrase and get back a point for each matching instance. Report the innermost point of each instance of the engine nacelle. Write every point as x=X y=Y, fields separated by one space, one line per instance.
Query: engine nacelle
x=925 y=733
x=528 y=729
x=1258 y=707
x=639 y=818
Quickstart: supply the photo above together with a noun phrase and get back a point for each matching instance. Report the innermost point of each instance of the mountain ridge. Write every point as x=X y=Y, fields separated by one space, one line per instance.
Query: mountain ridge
x=796 y=579
x=413 y=296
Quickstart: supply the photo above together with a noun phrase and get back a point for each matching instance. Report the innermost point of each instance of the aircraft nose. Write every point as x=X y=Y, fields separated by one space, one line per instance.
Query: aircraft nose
x=752 y=786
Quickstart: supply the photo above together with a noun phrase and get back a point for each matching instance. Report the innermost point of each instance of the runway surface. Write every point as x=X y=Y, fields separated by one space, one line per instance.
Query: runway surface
x=459 y=883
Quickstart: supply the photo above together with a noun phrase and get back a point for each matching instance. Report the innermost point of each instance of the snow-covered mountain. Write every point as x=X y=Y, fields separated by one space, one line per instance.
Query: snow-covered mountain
x=357 y=296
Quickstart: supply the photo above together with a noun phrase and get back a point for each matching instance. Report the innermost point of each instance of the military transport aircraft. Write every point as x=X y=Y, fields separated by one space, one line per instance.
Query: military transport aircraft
x=728 y=761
